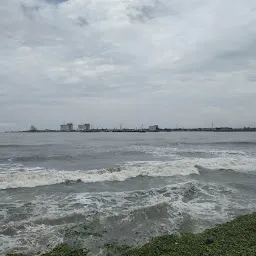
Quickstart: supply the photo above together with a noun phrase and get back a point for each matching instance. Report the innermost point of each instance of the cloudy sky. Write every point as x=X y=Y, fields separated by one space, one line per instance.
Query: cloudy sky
x=166 y=62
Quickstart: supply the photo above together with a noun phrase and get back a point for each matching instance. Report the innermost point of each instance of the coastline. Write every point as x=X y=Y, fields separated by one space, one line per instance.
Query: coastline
x=233 y=238
x=166 y=130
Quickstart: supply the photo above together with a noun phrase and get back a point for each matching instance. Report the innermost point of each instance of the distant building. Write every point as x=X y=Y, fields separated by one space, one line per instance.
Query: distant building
x=153 y=128
x=84 y=127
x=32 y=128
x=66 y=127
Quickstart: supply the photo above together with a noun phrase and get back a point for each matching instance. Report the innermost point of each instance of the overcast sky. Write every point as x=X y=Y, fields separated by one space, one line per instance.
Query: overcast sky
x=166 y=62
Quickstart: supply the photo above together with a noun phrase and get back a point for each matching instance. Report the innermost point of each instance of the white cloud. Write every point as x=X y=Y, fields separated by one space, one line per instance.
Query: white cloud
x=186 y=61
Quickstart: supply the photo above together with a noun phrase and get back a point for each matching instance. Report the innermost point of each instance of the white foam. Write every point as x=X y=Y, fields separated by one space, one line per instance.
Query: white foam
x=166 y=151
x=186 y=166
x=31 y=240
x=209 y=204
x=31 y=177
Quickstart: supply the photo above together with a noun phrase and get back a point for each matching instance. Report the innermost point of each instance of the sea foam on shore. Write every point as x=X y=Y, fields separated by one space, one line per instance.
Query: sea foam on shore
x=233 y=238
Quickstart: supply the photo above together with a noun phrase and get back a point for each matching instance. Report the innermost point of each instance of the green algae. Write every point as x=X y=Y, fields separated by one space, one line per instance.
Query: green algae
x=234 y=238
x=65 y=250
x=60 y=250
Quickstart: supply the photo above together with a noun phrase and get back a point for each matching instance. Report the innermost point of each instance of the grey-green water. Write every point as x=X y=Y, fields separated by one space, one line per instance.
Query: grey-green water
x=90 y=189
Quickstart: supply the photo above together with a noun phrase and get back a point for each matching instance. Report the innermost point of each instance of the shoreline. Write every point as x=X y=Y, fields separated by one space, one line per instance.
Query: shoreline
x=144 y=131
x=233 y=238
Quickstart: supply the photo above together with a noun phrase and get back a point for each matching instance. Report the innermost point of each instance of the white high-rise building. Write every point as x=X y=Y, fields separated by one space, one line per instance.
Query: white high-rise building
x=153 y=128
x=84 y=127
x=66 y=127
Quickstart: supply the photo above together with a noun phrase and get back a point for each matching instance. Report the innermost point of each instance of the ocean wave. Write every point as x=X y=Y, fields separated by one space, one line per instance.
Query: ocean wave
x=183 y=150
x=123 y=202
x=25 y=145
x=242 y=143
x=161 y=210
x=32 y=177
x=12 y=145
x=36 y=158
x=131 y=216
x=180 y=143
x=78 y=207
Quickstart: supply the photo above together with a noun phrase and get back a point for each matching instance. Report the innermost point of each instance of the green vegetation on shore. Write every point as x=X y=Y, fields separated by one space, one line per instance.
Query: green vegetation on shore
x=234 y=238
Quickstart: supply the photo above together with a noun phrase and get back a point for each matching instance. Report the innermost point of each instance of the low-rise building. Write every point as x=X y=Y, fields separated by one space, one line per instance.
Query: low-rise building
x=84 y=127
x=66 y=127
x=153 y=128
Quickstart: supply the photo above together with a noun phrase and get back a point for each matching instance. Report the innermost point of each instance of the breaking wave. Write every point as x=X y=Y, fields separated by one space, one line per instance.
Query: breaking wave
x=235 y=143
x=107 y=217
x=36 y=158
x=18 y=177
x=25 y=145
x=242 y=143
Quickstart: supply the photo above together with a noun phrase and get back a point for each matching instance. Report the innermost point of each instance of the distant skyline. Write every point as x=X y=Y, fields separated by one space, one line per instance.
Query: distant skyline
x=129 y=62
x=122 y=126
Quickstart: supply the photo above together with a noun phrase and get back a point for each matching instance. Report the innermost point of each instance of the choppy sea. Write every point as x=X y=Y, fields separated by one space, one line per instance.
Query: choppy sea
x=88 y=189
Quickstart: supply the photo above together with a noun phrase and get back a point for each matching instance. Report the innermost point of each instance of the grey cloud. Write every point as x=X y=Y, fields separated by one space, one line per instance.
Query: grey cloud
x=56 y=1
x=127 y=61
x=82 y=21
x=149 y=10
x=252 y=77
x=29 y=11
